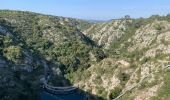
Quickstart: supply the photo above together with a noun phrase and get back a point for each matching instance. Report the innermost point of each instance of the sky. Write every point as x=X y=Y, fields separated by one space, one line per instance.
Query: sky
x=91 y=9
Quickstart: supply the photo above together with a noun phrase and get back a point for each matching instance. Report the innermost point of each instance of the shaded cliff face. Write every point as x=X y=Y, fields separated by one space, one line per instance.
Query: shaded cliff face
x=124 y=58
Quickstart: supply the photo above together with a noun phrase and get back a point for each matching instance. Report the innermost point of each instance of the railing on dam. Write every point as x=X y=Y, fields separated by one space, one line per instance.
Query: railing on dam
x=60 y=90
x=61 y=93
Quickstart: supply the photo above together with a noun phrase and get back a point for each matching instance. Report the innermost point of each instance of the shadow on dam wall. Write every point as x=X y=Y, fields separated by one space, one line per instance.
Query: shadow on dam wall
x=65 y=91
x=76 y=94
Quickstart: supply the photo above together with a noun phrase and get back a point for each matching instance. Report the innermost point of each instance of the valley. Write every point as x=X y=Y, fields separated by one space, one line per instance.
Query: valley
x=119 y=59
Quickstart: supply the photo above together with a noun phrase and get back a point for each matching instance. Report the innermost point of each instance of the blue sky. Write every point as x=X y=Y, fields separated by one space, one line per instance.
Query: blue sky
x=91 y=9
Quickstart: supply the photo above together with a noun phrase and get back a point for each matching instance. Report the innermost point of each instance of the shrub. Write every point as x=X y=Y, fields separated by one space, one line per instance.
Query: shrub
x=7 y=41
x=145 y=59
x=13 y=53
x=123 y=76
x=165 y=42
x=163 y=93
x=115 y=92
x=159 y=27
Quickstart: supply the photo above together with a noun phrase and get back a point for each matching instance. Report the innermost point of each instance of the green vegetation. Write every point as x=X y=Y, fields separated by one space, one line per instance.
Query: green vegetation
x=13 y=53
x=123 y=77
x=101 y=91
x=29 y=31
x=28 y=39
x=145 y=59
x=163 y=94
x=31 y=38
x=158 y=27
x=165 y=42
x=115 y=92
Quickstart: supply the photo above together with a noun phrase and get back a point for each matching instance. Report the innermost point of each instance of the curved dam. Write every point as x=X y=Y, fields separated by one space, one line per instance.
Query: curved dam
x=61 y=93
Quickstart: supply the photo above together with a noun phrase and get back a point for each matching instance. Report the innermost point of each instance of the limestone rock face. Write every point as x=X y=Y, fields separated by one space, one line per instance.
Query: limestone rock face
x=138 y=64
x=108 y=32
x=149 y=34
x=146 y=95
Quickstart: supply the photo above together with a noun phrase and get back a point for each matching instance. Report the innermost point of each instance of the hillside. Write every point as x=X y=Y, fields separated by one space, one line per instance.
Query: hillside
x=138 y=55
x=31 y=42
x=122 y=58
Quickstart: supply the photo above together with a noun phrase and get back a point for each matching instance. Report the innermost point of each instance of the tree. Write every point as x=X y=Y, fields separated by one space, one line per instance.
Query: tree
x=115 y=92
x=127 y=17
x=13 y=53
x=7 y=41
